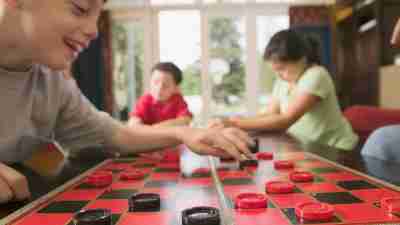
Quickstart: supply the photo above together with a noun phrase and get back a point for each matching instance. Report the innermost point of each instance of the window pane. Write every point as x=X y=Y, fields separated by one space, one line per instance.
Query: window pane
x=184 y=50
x=128 y=65
x=267 y=26
x=227 y=68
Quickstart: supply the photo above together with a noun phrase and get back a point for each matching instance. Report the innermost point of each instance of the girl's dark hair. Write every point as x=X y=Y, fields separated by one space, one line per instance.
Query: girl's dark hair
x=171 y=68
x=289 y=45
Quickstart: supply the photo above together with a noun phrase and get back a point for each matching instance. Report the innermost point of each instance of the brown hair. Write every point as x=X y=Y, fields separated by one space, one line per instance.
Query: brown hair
x=171 y=68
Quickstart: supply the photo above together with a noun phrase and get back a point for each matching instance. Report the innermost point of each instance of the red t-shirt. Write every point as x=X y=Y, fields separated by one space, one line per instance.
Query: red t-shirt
x=151 y=111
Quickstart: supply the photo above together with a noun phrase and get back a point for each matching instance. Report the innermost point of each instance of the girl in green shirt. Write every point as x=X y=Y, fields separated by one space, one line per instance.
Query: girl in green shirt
x=304 y=101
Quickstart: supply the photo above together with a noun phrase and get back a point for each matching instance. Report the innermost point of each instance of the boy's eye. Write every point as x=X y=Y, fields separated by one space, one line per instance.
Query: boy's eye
x=79 y=10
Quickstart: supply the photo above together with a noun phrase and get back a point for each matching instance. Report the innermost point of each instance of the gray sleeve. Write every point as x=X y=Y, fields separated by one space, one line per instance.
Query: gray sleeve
x=79 y=124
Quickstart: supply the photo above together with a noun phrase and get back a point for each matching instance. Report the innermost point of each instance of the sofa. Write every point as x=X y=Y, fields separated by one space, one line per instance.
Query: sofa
x=365 y=119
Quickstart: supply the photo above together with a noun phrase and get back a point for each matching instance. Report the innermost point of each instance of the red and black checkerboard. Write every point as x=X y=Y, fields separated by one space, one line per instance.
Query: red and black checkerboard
x=355 y=197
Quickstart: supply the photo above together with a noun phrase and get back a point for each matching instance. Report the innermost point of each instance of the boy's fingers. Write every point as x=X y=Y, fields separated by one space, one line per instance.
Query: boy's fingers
x=16 y=181
x=226 y=145
x=396 y=34
x=240 y=144
x=6 y=194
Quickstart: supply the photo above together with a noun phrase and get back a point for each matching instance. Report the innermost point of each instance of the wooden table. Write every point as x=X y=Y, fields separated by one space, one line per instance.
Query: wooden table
x=40 y=186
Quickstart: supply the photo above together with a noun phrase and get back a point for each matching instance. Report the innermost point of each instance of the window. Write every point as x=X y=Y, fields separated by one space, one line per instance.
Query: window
x=267 y=26
x=226 y=65
x=219 y=49
x=128 y=65
x=180 y=43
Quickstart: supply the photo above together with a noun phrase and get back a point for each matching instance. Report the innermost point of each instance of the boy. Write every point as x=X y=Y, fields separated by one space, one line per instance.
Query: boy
x=40 y=102
x=164 y=105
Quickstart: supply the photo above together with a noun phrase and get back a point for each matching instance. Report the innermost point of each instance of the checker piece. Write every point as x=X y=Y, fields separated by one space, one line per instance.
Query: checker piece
x=265 y=155
x=301 y=176
x=93 y=217
x=256 y=147
x=132 y=175
x=279 y=187
x=283 y=164
x=144 y=202
x=248 y=163
x=391 y=205
x=251 y=201
x=201 y=215
x=100 y=179
x=314 y=211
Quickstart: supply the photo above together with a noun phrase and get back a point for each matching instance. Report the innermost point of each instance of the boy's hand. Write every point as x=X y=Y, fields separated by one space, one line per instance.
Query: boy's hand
x=396 y=34
x=221 y=123
x=16 y=182
x=222 y=142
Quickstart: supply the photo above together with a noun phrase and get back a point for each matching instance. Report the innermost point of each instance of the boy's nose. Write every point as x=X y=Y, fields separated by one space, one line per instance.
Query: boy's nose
x=91 y=30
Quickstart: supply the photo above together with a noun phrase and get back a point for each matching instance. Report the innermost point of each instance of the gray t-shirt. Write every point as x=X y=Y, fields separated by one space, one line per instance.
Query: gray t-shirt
x=43 y=104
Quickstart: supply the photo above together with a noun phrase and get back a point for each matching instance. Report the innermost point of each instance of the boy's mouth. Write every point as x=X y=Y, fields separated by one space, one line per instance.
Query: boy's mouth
x=74 y=47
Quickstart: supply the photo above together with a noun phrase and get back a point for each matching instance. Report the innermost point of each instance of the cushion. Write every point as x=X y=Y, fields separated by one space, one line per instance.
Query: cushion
x=365 y=119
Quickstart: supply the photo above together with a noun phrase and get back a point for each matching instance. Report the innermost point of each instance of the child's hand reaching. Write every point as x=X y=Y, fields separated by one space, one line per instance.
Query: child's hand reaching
x=396 y=34
x=222 y=142
x=13 y=185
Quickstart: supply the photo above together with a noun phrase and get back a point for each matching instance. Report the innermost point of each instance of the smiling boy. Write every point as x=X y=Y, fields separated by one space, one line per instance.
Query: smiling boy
x=38 y=39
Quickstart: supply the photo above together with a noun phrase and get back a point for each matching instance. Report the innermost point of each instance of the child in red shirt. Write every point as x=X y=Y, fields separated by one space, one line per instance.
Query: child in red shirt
x=164 y=104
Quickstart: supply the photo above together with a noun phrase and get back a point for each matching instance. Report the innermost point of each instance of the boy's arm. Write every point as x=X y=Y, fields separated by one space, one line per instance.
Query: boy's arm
x=219 y=142
x=181 y=121
x=6 y=194
x=80 y=125
x=134 y=120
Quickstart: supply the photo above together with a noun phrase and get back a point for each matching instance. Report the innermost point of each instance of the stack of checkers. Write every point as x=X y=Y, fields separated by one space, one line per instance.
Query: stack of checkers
x=201 y=215
x=314 y=211
x=251 y=201
x=144 y=202
x=93 y=217
x=132 y=175
x=100 y=179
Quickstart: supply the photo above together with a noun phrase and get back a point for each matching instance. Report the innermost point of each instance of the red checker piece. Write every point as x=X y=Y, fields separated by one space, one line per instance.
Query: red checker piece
x=391 y=205
x=251 y=201
x=265 y=155
x=100 y=179
x=202 y=170
x=301 y=176
x=283 y=164
x=171 y=156
x=314 y=211
x=279 y=187
x=132 y=175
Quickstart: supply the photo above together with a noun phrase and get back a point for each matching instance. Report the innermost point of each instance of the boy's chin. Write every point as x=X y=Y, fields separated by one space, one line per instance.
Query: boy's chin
x=58 y=65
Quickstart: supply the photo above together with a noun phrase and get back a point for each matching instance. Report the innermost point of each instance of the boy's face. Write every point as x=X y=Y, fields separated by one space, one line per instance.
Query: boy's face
x=56 y=31
x=162 y=85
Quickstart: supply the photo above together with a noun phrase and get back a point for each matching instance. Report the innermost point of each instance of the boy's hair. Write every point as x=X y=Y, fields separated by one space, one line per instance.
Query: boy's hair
x=171 y=68
x=290 y=45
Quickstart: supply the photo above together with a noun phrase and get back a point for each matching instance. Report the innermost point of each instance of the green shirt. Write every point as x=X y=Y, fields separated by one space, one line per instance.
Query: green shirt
x=324 y=123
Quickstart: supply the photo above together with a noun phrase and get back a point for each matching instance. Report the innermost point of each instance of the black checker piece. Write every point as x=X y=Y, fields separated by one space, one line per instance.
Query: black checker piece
x=114 y=219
